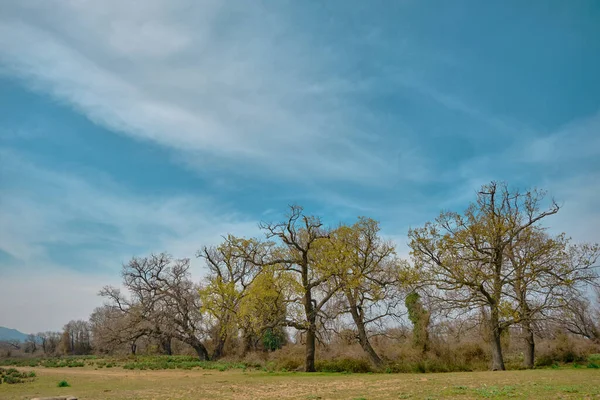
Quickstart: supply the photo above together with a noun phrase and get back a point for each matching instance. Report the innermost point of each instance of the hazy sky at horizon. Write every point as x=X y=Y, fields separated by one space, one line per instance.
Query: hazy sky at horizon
x=132 y=127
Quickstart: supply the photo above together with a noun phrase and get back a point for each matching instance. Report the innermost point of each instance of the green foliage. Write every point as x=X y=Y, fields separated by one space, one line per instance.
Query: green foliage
x=69 y=362
x=273 y=339
x=593 y=365
x=594 y=357
x=63 y=383
x=13 y=376
x=420 y=319
x=179 y=362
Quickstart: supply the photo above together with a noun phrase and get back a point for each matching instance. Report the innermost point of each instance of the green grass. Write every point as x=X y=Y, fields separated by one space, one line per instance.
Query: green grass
x=119 y=384
x=160 y=362
x=13 y=376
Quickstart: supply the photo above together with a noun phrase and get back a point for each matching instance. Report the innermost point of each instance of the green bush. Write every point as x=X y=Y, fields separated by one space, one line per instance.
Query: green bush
x=12 y=380
x=63 y=383
x=12 y=376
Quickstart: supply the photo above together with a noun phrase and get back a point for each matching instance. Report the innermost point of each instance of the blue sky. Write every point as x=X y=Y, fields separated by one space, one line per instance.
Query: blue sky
x=131 y=127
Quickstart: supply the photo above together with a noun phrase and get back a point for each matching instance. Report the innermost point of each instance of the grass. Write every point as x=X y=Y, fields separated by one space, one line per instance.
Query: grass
x=12 y=376
x=235 y=383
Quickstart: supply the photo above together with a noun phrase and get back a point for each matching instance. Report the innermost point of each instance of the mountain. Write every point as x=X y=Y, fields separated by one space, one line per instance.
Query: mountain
x=11 y=334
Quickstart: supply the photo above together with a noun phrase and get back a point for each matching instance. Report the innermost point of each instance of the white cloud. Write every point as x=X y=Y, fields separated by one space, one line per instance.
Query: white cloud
x=232 y=85
x=94 y=227
x=42 y=207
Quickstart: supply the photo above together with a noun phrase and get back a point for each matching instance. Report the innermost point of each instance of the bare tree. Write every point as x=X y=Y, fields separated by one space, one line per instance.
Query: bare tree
x=76 y=338
x=30 y=344
x=580 y=317
x=162 y=298
x=113 y=328
x=49 y=341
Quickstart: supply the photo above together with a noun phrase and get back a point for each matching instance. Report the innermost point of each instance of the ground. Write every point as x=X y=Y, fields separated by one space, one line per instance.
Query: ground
x=91 y=384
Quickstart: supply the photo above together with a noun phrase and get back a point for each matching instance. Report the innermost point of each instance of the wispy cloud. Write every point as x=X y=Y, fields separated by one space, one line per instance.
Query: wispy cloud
x=75 y=212
x=229 y=86
x=67 y=237
x=394 y=112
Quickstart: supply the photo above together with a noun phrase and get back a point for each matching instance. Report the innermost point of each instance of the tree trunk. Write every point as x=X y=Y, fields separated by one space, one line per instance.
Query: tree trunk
x=201 y=351
x=311 y=336
x=496 y=344
x=247 y=347
x=220 y=346
x=165 y=343
x=529 y=352
x=311 y=318
x=363 y=339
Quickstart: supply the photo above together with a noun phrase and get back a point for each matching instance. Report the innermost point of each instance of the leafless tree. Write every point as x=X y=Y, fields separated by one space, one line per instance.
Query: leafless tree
x=582 y=317
x=30 y=344
x=162 y=298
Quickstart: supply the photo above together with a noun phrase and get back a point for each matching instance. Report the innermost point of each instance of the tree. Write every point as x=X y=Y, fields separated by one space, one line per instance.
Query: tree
x=545 y=271
x=464 y=256
x=49 y=341
x=31 y=344
x=112 y=328
x=580 y=317
x=76 y=338
x=311 y=283
x=162 y=298
x=230 y=276
x=367 y=273
x=420 y=318
x=263 y=311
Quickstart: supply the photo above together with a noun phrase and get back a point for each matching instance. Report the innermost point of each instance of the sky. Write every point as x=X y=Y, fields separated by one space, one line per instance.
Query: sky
x=135 y=127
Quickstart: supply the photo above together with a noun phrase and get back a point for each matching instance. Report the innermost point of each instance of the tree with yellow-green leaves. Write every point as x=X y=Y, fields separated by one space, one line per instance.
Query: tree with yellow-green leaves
x=463 y=257
x=263 y=311
x=547 y=273
x=367 y=273
x=230 y=277
x=293 y=251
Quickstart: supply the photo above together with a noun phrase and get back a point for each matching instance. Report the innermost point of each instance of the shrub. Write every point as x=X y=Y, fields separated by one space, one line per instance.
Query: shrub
x=544 y=360
x=344 y=365
x=12 y=379
x=63 y=383
x=12 y=376
x=289 y=357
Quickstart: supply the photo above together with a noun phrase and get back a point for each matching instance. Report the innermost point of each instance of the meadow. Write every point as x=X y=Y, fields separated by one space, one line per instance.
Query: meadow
x=178 y=378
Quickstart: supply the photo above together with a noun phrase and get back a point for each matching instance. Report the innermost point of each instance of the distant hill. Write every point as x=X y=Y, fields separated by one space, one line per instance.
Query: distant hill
x=12 y=334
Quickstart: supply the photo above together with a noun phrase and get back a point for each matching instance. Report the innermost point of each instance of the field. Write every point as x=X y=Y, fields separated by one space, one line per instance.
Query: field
x=91 y=383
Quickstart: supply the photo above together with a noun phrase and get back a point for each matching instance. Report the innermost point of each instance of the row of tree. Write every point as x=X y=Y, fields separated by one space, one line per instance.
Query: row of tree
x=494 y=264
